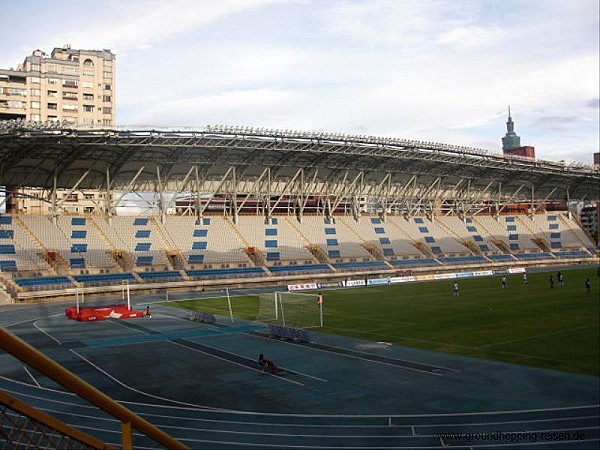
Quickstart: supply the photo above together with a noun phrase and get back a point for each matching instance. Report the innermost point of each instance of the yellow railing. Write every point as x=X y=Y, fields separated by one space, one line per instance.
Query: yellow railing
x=129 y=420
x=25 y=427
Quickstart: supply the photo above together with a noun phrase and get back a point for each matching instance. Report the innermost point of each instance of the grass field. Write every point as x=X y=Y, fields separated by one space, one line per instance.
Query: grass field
x=524 y=324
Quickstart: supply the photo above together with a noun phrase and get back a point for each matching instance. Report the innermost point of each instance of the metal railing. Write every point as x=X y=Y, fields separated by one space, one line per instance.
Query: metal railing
x=129 y=420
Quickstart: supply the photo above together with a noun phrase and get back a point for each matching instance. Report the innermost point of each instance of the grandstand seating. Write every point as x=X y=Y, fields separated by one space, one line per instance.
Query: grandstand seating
x=44 y=282
x=215 y=248
x=361 y=266
x=460 y=260
x=275 y=238
x=21 y=252
x=239 y=272
x=466 y=230
x=170 y=275
x=104 y=279
x=336 y=240
x=304 y=268
x=388 y=239
x=96 y=251
x=534 y=255
x=500 y=258
x=572 y=235
x=206 y=242
x=412 y=263
x=139 y=237
x=429 y=234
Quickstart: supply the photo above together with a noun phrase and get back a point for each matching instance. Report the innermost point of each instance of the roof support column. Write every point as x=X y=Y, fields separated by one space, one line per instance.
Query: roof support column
x=11 y=199
x=108 y=210
x=234 y=196
x=268 y=194
x=198 y=212
x=569 y=215
x=532 y=209
x=53 y=195
x=305 y=190
x=357 y=188
x=497 y=202
x=299 y=196
x=161 y=200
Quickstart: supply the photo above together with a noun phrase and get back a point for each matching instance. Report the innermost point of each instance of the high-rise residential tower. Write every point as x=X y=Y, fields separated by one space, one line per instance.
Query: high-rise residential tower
x=72 y=86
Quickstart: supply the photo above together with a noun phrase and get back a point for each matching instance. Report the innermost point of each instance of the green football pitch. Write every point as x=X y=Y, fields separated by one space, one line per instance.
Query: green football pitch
x=531 y=324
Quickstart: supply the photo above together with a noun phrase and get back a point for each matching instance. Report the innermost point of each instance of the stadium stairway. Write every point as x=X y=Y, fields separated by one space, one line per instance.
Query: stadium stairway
x=314 y=249
x=581 y=228
x=4 y=296
x=38 y=244
x=169 y=247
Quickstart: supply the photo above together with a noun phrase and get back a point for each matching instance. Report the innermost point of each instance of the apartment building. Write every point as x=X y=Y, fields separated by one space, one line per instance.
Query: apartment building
x=72 y=86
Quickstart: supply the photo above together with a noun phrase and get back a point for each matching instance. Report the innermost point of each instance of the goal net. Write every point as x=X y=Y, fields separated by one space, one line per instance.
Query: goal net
x=290 y=309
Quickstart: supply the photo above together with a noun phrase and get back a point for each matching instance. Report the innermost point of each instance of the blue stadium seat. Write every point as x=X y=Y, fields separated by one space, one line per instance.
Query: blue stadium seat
x=300 y=269
x=414 y=262
x=6 y=234
x=170 y=275
x=7 y=249
x=104 y=278
x=462 y=259
x=572 y=254
x=527 y=256
x=226 y=273
x=41 y=281
x=9 y=265
x=501 y=257
x=364 y=265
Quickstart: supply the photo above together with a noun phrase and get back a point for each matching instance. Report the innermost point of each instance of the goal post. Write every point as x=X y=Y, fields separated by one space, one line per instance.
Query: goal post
x=290 y=309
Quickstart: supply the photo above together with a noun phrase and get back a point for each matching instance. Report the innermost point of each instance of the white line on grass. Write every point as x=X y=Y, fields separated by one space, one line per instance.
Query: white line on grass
x=536 y=336
x=404 y=338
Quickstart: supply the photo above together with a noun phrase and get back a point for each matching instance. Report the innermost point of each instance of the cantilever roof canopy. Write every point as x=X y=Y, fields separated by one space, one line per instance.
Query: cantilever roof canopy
x=235 y=159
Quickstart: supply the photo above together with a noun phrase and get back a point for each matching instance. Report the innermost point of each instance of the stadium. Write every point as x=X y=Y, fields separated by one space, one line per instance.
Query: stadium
x=241 y=223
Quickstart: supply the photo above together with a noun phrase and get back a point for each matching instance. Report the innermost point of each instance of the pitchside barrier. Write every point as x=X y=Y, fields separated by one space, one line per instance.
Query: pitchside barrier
x=406 y=279
x=203 y=317
x=293 y=334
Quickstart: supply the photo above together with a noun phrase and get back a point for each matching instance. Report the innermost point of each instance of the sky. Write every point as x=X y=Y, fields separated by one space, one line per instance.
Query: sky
x=431 y=70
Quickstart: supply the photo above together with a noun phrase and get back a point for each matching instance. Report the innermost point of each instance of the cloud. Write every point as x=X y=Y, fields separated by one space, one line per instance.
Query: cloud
x=250 y=107
x=555 y=123
x=140 y=24
x=593 y=103
x=472 y=36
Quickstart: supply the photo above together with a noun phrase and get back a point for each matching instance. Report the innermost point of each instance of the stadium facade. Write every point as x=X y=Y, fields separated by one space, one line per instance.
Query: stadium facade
x=235 y=206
